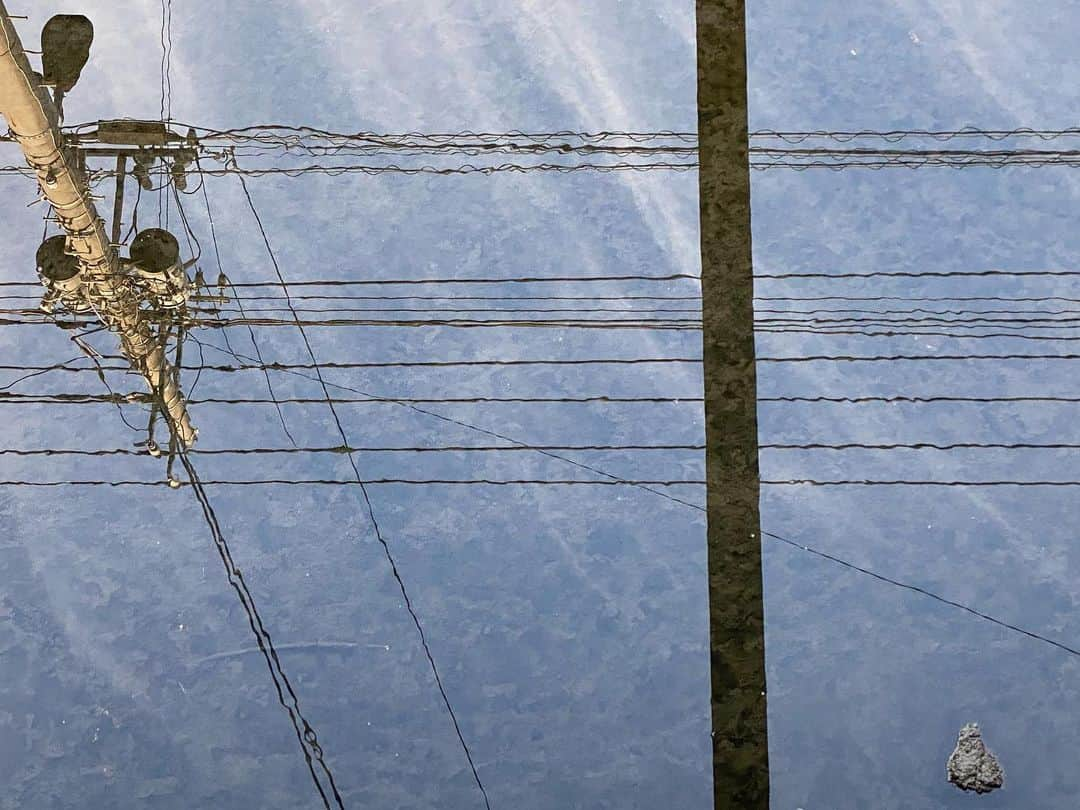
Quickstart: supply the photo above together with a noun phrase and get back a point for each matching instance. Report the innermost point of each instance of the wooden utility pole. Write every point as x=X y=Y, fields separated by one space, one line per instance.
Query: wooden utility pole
x=736 y=604
x=34 y=122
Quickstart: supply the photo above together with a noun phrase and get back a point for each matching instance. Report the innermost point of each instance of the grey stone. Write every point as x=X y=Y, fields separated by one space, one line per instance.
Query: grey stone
x=971 y=766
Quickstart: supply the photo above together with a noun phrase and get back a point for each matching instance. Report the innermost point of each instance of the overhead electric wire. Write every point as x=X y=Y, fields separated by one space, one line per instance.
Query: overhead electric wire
x=957 y=328
x=864 y=482
x=866 y=571
x=341 y=450
x=832 y=558
x=263 y=451
x=919 y=274
x=251 y=331
x=614 y=481
x=923 y=591
x=54 y=398
x=293 y=367
x=91 y=354
x=471 y=426
x=903 y=398
x=609 y=324
x=467 y=169
x=80 y=398
x=435 y=310
x=891 y=358
x=894 y=135
x=37 y=372
x=370 y=508
x=851 y=566
x=471 y=298
x=533 y=279
x=1007 y=299
x=894 y=582
x=347 y=482
x=305 y=732
x=279 y=366
x=600 y=278
x=286 y=141
x=277 y=130
x=925 y=446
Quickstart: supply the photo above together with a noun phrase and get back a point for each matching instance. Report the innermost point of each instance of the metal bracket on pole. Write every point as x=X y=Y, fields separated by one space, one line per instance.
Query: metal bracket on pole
x=118 y=202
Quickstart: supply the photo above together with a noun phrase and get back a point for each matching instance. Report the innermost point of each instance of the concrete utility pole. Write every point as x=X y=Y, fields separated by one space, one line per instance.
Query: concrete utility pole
x=736 y=604
x=34 y=122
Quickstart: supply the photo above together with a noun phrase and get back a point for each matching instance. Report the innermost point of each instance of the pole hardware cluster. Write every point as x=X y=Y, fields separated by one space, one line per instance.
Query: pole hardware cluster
x=140 y=297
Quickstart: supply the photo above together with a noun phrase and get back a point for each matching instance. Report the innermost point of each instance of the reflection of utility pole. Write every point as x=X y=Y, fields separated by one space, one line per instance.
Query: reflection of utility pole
x=34 y=122
x=736 y=604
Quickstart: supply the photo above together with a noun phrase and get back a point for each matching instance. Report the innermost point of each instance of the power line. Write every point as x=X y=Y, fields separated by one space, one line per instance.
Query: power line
x=348 y=482
x=903 y=398
x=572 y=279
x=896 y=333
x=142 y=398
x=515 y=168
x=78 y=398
x=278 y=366
x=927 y=446
x=37 y=372
x=305 y=733
x=673 y=324
x=166 y=60
x=867 y=327
x=875 y=298
x=274 y=130
x=370 y=508
x=916 y=589
x=843 y=358
x=902 y=134
x=293 y=367
x=476 y=428
x=430 y=310
x=914 y=311
x=324 y=297
x=837 y=560
x=341 y=450
x=921 y=274
x=251 y=331
x=908 y=483
x=472 y=280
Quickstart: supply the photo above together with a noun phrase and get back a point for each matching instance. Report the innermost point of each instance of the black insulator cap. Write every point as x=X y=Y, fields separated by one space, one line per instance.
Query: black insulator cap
x=53 y=262
x=65 y=48
x=155 y=250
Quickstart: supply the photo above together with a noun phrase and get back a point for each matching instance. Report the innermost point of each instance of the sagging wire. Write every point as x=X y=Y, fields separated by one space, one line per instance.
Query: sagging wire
x=370 y=508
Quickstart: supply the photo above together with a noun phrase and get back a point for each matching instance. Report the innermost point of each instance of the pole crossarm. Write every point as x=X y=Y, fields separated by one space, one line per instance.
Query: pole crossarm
x=34 y=123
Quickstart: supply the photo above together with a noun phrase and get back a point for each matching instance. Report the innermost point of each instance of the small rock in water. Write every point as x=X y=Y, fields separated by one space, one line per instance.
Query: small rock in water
x=971 y=766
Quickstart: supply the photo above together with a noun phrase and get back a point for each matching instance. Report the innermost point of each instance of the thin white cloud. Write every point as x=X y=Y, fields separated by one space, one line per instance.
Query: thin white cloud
x=564 y=45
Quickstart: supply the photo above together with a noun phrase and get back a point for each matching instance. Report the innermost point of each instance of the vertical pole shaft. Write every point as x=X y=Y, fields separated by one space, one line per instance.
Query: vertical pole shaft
x=118 y=201
x=736 y=604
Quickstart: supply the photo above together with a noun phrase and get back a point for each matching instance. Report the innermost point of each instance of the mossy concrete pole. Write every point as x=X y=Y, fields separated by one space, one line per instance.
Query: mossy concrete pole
x=736 y=604
x=34 y=122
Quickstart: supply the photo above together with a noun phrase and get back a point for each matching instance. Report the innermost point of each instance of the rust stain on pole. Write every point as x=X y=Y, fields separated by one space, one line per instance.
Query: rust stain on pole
x=736 y=604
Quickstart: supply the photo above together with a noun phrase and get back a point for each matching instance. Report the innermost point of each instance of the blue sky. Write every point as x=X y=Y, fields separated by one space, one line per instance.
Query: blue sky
x=571 y=647
x=568 y=622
